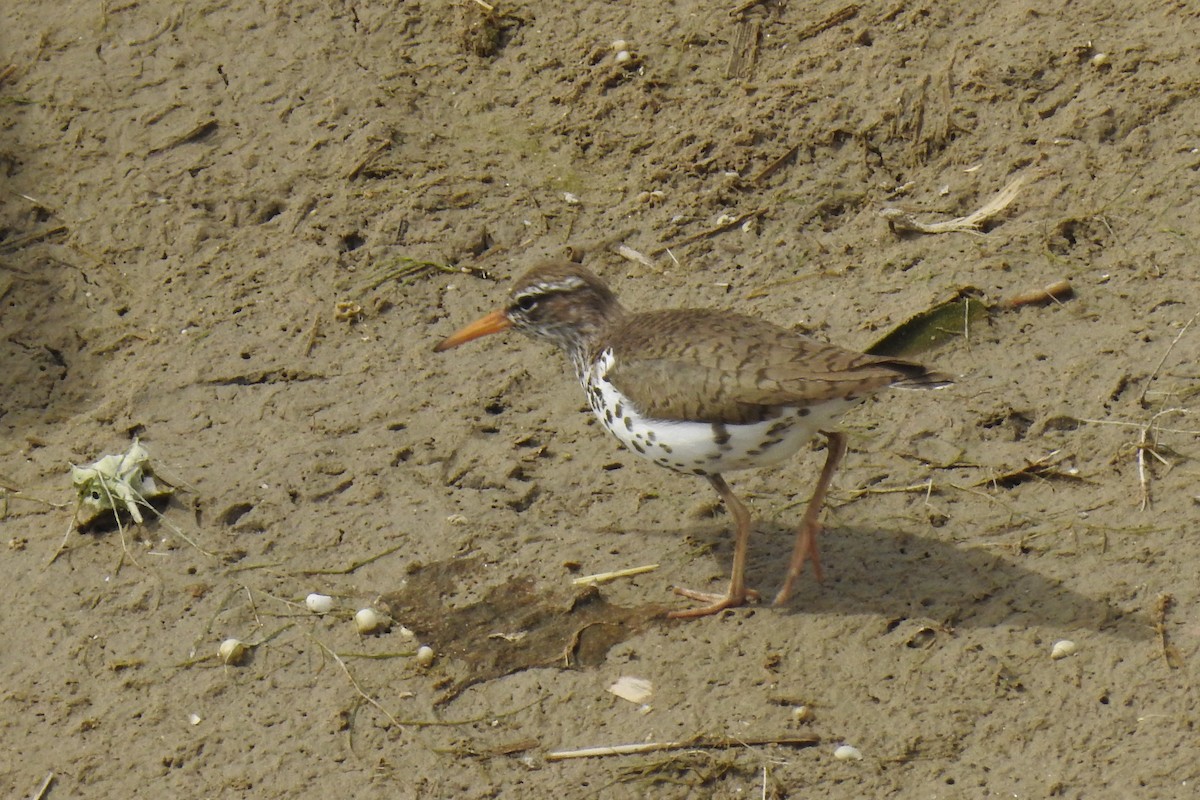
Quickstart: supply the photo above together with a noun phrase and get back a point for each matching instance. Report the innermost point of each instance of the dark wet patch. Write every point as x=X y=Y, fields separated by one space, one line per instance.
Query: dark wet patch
x=517 y=625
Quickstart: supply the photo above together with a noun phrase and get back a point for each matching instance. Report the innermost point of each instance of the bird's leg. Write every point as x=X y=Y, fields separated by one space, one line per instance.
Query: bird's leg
x=738 y=592
x=805 y=548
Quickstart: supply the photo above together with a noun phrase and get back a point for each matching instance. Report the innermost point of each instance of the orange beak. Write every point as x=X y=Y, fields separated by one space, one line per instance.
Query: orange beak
x=492 y=323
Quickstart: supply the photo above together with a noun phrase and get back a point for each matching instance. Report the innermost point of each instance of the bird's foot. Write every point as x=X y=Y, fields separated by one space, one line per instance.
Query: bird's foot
x=716 y=602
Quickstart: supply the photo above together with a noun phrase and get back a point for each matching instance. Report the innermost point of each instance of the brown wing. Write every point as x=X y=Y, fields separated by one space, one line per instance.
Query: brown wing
x=713 y=366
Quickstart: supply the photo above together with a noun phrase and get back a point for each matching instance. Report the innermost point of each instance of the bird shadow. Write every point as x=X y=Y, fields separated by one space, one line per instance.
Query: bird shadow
x=491 y=629
x=902 y=576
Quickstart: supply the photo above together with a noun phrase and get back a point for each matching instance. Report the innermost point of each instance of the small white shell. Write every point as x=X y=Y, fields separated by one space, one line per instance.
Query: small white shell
x=368 y=620
x=319 y=603
x=194 y=719
x=801 y=714
x=622 y=56
x=1100 y=60
x=232 y=651
x=425 y=655
x=571 y=199
x=846 y=752
x=1063 y=648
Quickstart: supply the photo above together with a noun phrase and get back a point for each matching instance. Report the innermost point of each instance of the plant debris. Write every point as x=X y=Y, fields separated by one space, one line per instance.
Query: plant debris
x=699 y=742
x=901 y=221
x=115 y=484
x=933 y=327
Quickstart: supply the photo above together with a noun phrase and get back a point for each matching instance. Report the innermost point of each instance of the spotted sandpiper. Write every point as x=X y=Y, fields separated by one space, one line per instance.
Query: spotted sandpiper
x=702 y=391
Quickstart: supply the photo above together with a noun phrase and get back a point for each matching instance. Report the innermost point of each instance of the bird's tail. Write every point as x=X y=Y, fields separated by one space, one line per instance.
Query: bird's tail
x=916 y=376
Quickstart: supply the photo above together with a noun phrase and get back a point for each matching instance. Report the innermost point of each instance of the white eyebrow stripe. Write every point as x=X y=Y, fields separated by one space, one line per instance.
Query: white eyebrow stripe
x=567 y=284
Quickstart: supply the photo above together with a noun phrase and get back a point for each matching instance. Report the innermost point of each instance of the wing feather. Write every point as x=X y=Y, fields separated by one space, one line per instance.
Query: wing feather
x=712 y=366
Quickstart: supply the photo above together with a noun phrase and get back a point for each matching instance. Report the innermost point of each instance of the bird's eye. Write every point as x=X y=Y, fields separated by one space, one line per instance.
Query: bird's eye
x=527 y=302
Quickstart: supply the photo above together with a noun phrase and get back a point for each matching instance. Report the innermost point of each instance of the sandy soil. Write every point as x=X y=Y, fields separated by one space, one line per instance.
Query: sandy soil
x=213 y=223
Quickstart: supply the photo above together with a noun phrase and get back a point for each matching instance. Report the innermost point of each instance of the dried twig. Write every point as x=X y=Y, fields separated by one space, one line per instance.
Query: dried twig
x=744 y=7
x=1126 y=424
x=362 y=163
x=502 y=749
x=900 y=220
x=13 y=245
x=1170 y=652
x=353 y=566
x=405 y=268
x=1044 y=467
x=45 y=787
x=926 y=488
x=370 y=700
x=606 y=577
x=773 y=167
x=314 y=333
x=1146 y=444
x=836 y=18
x=697 y=743
x=725 y=226
x=1163 y=360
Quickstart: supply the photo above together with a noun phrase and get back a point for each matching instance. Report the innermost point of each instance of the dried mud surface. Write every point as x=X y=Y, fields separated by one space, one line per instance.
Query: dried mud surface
x=211 y=220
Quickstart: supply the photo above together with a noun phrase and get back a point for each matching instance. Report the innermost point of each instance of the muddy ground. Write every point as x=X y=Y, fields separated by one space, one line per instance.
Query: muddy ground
x=224 y=229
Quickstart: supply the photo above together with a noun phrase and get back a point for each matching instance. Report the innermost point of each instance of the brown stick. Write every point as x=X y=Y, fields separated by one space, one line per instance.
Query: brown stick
x=744 y=7
x=773 y=167
x=1051 y=293
x=357 y=169
x=1170 y=652
x=836 y=18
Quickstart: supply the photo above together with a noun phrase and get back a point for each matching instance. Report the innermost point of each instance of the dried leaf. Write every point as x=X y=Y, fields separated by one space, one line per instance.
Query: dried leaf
x=932 y=328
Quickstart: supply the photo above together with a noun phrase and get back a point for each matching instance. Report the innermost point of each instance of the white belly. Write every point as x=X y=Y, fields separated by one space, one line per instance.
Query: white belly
x=704 y=448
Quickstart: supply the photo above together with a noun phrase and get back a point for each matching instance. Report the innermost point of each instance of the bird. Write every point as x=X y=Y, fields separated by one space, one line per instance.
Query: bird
x=702 y=392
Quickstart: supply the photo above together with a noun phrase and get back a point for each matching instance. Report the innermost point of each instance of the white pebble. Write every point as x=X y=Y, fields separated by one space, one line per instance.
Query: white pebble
x=622 y=56
x=619 y=45
x=368 y=620
x=1100 y=60
x=1062 y=649
x=232 y=651
x=801 y=714
x=847 y=753
x=319 y=603
x=425 y=655
x=194 y=719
